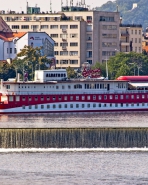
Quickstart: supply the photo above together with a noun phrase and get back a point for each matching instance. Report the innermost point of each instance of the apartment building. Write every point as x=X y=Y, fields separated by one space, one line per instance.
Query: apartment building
x=80 y=35
x=130 y=38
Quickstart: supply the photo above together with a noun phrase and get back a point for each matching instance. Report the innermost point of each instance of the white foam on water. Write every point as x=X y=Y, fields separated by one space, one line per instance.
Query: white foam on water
x=33 y=150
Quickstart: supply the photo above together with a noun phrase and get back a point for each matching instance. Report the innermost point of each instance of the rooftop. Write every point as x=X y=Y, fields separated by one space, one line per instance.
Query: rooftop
x=9 y=36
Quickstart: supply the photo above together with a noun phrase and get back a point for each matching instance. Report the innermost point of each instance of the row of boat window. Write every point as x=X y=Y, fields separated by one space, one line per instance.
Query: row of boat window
x=77 y=86
x=79 y=97
x=56 y=75
x=83 y=105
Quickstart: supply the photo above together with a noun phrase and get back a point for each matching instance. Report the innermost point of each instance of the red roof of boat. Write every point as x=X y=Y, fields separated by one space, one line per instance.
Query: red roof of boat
x=133 y=78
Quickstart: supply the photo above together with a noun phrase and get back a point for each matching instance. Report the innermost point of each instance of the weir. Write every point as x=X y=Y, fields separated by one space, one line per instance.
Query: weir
x=74 y=138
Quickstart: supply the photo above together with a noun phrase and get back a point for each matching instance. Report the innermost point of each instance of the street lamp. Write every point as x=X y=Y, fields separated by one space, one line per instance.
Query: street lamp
x=134 y=66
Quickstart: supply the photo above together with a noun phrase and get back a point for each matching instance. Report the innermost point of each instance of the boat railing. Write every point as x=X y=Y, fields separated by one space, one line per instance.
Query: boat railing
x=72 y=92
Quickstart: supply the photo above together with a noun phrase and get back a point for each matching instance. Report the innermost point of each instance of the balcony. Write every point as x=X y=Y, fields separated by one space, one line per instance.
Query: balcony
x=124 y=43
x=64 y=39
x=64 y=30
x=89 y=21
x=126 y=34
x=64 y=48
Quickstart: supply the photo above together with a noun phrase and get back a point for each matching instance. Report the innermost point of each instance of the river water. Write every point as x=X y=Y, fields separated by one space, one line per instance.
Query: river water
x=74 y=166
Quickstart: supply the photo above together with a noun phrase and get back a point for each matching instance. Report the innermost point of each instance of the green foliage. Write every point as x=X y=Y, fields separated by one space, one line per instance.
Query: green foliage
x=129 y=16
x=6 y=71
x=128 y=65
x=71 y=73
x=101 y=66
x=30 y=59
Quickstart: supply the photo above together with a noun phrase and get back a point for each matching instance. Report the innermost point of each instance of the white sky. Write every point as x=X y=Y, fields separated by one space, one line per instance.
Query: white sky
x=20 y=5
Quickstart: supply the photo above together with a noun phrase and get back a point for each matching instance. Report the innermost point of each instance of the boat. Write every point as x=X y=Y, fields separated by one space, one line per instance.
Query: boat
x=52 y=92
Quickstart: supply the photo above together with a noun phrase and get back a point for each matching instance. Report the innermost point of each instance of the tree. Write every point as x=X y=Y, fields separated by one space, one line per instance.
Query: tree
x=29 y=59
x=102 y=67
x=128 y=64
x=71 y=73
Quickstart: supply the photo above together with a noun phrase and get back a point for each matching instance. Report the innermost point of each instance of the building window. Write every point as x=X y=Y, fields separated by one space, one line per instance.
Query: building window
x=63 y=62
x=89 y=37
x=71 y=105
x=44 y=26
x=73 y=26
x=106 y=19
x=53 y=26
x=56 y=53
x=139 y=32
x=15 y=27
x=64 y=53
x=71 y=97
x=73 y=35
x=135 y=31
x=73 y=61
x=15 y=51
x=135 y=49
x=109 y=44
x=105 y=35
x=24 y=26
x=77 y=105
x=56 y=44
x=10 y=50
x=65 y=106
x=89 y=61
x=89 y=54
x=73 y=53
x=89 y=46
x=109 y=27
x=54 y=35
x=63 y=26
x=73 y=44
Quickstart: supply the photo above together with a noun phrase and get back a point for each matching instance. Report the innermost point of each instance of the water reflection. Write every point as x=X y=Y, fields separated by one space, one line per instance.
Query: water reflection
x=62 y=120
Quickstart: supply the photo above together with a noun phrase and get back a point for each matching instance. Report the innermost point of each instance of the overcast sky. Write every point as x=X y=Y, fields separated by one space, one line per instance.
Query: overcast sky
x=20 y=5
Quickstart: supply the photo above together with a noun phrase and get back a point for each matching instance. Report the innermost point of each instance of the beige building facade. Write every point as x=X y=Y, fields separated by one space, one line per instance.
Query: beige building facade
x=80 y=36
x=130 y=38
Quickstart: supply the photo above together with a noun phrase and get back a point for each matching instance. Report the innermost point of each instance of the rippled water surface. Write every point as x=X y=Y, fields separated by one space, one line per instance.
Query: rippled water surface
x=128 y=119
x=83 y=168
x=74 y=167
